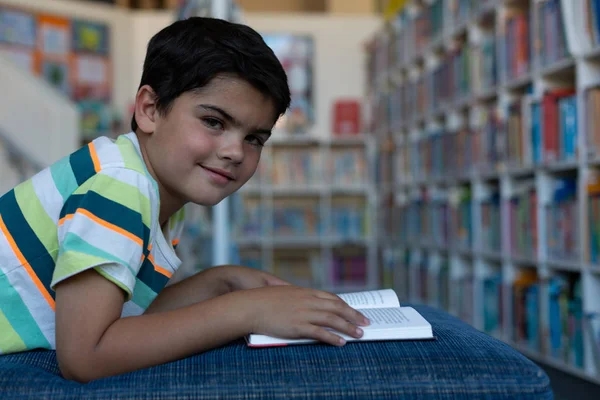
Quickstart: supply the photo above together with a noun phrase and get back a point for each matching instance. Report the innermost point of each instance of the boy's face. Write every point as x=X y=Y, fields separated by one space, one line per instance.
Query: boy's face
x=209 y=143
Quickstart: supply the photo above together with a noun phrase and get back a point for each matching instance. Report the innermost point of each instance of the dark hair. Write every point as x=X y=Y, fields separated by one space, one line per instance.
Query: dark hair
x=189 y=53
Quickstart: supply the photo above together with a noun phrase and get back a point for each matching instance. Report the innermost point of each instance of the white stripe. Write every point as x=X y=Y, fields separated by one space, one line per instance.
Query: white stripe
x=8 y=259
x=132 y=178
x=102 y=238
x=35 y=302
x=108 y=153
x=130 y=309
x=120 y=274
x=46 y=191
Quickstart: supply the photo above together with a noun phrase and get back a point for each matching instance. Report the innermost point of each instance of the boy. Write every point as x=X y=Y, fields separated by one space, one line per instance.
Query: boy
x=87 y=245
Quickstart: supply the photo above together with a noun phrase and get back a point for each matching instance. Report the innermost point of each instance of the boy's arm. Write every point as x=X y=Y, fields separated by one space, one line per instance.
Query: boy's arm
x=210 y=283
x=92 y=341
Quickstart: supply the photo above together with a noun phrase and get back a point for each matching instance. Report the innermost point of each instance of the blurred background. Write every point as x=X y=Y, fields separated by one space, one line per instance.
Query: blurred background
x=443 y=148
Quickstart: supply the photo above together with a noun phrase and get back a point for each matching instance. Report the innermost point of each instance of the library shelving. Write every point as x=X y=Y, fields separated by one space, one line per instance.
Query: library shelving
x=485 y=115
x=308 y=213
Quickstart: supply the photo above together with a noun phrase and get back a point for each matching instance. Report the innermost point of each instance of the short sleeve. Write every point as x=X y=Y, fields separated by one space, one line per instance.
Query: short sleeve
x=106 y=224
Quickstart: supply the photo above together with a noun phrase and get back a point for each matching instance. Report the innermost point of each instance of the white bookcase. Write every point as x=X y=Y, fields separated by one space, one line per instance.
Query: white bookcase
x=299 y=171
x=485 y=192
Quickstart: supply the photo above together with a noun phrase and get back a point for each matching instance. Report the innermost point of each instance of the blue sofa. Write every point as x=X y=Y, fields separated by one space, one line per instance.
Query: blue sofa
x=461 y=363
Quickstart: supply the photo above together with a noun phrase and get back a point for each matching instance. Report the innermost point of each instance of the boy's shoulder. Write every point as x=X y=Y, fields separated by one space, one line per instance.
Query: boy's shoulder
x=101 y=163
x=122 y=152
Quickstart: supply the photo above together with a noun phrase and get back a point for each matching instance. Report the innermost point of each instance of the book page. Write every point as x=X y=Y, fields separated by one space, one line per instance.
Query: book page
x=371 y=299
x=405 y=317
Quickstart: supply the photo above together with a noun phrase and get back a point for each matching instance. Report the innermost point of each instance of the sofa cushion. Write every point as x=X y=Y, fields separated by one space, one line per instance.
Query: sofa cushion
x=461 y=363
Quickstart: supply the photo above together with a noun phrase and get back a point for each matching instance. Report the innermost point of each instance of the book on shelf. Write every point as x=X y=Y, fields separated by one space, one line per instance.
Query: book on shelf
x=389 y=321
x=592 y=120
x=565 y=319
x=297 y=218
x=591 y=326
x=550 y=32
x=523 y=220
x=525 y=314
x=296 y=167
x=554 y=133
x=348 y=268
x=561 y=216
x=492 y=304
x=348 y=167
x=536 y=132
x=490 y=221
x=515 y=36
x=593 y=205
x=582 y=22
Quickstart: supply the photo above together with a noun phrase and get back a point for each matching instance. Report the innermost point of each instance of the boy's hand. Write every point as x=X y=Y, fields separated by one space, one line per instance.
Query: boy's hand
x=244 y=278
x=294 y=312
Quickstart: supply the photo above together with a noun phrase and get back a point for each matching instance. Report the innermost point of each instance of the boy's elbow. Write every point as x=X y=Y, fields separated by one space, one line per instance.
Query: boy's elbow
x=77 y=367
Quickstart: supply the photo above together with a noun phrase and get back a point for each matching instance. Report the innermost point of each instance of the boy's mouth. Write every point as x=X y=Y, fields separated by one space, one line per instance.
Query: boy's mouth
x=221 y=172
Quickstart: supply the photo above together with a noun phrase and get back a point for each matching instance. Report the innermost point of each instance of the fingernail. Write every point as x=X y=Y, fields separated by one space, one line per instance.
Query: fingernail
x=342 y=341
x=359 y=332
x=366 y=321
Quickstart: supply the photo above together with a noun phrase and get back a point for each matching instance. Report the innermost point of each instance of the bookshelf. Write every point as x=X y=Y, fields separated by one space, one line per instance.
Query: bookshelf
x=485 y=117
x=312 y=204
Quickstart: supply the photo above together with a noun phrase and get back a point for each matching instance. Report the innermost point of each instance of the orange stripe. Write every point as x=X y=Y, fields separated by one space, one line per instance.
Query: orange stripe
x=94 y=155
x=65 y=218
x=110 y=226
x=162 y=271
x=159 y=269
x=175 y=242
x=26 y=265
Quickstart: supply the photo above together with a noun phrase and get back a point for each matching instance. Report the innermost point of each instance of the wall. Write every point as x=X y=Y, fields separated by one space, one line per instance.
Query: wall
x=35 y=118
x=144 y=25
x=121 y=29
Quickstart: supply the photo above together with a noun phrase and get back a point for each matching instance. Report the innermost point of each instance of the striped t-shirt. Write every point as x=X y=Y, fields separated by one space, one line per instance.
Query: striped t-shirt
x=97 y=208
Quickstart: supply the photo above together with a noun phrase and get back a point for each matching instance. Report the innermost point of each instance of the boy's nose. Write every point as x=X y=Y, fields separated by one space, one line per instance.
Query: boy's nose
x=232 y=150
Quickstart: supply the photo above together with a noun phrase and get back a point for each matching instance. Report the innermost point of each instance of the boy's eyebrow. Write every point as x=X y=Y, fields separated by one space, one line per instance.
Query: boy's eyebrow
x=231 y=119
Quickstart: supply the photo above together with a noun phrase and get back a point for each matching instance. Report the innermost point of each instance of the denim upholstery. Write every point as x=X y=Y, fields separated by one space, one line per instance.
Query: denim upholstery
x=461 y=363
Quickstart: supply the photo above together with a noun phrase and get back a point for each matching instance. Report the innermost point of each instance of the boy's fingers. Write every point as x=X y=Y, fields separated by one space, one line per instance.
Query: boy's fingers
x=326 y=295
x=339 y=324
x=348 y=313
x=323 y=335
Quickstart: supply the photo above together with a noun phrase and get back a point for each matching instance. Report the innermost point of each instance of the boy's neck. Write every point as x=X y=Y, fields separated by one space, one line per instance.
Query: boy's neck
x=169 y=204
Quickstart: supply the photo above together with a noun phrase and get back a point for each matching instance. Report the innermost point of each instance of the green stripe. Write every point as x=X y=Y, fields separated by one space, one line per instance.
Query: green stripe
x=133 y=160
x=121 y=193
x=19 y=317
x=142 y=294
x=178 y=217
x=79 y=255
x=63 y=176
x=37 y=218
x=10 y=341
x=116 y=282
x=130 y=155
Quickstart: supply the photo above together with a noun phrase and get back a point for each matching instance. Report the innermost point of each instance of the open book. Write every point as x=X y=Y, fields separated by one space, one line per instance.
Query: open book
x=389 y=321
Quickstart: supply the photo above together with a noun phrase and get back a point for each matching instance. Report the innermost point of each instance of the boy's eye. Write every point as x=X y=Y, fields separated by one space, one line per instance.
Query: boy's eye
x=255 y=140
x=213 y=123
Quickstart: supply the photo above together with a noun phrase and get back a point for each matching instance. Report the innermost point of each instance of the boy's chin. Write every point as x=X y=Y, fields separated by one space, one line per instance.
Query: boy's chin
x=208 y=202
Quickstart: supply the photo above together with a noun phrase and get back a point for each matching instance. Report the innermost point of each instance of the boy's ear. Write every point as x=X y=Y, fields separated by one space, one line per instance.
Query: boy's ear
x=145 y=109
